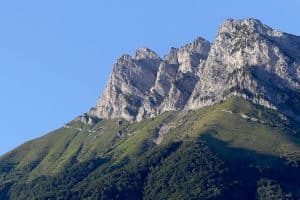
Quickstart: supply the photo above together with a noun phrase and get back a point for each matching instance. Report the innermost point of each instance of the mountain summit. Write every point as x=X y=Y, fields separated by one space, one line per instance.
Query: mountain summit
x=145 y=85
x=247 y=59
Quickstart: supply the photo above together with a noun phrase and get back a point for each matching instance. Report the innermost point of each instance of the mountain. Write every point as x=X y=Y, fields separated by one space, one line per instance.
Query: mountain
x=247 y=59
x=207 y=121
x=254 y=61
x=145 y=85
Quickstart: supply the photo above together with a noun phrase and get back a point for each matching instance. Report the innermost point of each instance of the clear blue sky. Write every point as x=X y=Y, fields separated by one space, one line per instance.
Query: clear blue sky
x=56 y=56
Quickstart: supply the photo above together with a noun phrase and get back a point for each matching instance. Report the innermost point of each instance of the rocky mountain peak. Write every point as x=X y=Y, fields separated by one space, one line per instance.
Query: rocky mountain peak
x=199 y=45
x=146 y=53
x=247 y=59
x=237 y=25
x=124 y=59
x=171 y=57
x=251 y=60
x=192 y=54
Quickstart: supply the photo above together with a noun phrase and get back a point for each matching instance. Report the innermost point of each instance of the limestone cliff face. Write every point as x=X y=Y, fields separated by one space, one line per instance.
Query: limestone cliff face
x=129 y=85
x=178 y=75
x=247 y=59
x=252 y=60
x=146 y=85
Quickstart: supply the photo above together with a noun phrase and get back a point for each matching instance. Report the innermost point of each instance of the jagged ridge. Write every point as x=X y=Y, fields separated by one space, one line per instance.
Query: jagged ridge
x=248 y=59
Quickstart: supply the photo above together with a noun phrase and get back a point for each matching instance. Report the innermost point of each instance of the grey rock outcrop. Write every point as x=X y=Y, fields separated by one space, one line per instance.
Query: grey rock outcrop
x=178 y=75
x=129 y=85
x=254 y=61
x=146 y=85
x=248 y=59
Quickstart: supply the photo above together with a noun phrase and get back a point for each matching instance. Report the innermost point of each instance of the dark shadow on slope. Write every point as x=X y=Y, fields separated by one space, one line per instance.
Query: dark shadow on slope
x=247 y=168
x=289 y=47
x=126 y=182
x=275 y=88
x=55 y=187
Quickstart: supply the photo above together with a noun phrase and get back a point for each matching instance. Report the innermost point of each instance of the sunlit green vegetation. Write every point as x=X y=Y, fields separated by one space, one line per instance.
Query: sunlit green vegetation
x=232 y=150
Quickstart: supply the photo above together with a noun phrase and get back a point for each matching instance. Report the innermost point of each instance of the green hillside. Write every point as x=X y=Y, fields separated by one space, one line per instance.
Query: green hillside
x=230 y=150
